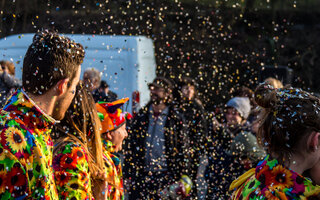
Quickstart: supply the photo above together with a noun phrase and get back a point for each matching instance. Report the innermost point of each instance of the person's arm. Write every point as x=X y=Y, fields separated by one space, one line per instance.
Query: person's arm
x=245 y=145
x=183 y=145
x=202 y=127
x=71 y=172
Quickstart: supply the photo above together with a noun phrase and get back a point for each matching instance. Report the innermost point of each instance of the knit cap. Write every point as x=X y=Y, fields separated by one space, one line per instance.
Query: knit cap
x=241 y=104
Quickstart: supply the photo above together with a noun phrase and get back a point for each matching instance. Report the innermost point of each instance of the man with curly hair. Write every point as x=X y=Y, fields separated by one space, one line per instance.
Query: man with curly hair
x=51 y=71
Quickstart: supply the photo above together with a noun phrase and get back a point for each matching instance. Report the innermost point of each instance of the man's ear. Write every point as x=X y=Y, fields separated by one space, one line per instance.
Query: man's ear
x=62 y=86
x=313 y=141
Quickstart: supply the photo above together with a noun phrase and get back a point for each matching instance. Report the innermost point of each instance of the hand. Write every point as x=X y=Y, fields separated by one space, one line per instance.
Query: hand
x=100 y=186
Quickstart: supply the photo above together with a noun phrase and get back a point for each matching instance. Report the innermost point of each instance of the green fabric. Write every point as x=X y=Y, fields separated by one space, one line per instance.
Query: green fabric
x=245 y=144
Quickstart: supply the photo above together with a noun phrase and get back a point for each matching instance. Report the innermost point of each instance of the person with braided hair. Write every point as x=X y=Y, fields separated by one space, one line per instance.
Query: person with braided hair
x=289 y=130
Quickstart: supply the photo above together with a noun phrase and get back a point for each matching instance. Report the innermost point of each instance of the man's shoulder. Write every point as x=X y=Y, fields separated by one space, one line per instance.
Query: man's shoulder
x=7 y=119
x=10 y=119
x=17 y=144
x=245 y=137
x=175 y=112
x=143 y=111
x=15 y=136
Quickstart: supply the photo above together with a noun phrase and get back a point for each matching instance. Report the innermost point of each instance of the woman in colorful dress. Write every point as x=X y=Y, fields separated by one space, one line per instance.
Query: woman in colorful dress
x=289 y=130
x=78 y=158
x=113 y=122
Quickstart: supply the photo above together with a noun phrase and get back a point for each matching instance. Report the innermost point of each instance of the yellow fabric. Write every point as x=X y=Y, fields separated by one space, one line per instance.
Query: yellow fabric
x=292 y=186
x=114 y=173
x=244 y=177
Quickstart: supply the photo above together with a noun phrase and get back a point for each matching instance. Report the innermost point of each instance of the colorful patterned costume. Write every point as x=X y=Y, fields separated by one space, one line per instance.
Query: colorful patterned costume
x=112 y=117
x=113 y=171
x=25 y=151
x=271 y=180
x=71 y=170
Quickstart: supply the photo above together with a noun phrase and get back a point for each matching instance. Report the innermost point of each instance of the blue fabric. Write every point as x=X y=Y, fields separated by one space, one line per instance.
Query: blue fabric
x=155 y=142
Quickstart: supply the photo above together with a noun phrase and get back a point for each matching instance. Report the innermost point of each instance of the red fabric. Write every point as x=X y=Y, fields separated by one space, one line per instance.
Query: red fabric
x=112 y=114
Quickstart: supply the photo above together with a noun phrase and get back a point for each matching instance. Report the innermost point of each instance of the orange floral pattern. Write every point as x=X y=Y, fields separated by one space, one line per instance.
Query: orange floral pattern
x=71 y=170
x=273 y=181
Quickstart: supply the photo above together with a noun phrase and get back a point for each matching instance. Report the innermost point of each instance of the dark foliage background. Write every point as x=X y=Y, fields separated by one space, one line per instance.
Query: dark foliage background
x=221 y=44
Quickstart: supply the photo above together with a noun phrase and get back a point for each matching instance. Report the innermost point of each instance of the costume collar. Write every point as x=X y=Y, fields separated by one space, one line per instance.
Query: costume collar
x=108 y=145
x=277 y=177
x=23 y=107
x=41 y=111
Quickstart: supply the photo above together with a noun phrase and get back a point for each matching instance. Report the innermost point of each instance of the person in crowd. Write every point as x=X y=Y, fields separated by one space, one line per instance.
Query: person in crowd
x=51 y=72
x=244 y=91
x=8 y=67
x=244 y=143
x=290 y=132
x=77 y=153
x=232 y=148
x=113 y=134
x=92 y=78
x=157 y=153
x=8 y=83
x=236 y=114
x=196 y=123
x=103 y=93
x=257 y=110
x=273 y=82
x=193 y=112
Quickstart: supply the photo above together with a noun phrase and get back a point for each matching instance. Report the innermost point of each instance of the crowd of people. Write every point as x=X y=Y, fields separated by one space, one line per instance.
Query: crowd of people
x=63 y=138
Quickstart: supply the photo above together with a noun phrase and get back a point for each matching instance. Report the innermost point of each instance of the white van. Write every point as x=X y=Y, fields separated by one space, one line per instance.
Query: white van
x=127 y=63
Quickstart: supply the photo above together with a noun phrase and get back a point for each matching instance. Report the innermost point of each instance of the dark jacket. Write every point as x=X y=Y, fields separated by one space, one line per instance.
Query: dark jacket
x=8 y=84
x=194 y=114
x=221 y=168
x=197 y=130
x=102 y=96
x=229 y=149
x=176 y=145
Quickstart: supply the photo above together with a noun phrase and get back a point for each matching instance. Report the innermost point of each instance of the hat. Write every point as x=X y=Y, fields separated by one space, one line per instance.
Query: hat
x=111 y=115
x=241 y=104
x=104 y=84
x=161 y=82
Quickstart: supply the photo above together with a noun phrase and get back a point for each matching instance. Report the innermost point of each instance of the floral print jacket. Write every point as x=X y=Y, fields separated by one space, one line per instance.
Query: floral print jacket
x=25 y=151
x=71 y=170
x=271 y=180
x=113 y=171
